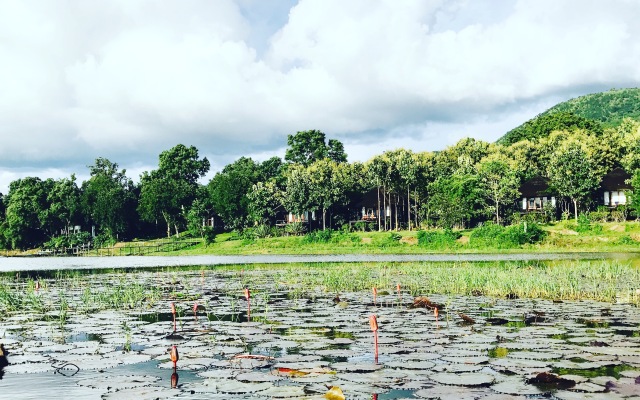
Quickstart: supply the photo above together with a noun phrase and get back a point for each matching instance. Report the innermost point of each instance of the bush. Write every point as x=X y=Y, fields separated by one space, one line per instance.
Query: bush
x=295 y=228
x=492 y=235
x=262 y=231
x=209 y=235
x=584 y=225
x=318 y=236
x=600 y=215
x=619 y=214
x=488 y=235
x=518 y=235
x=438 y=239
x=390 y=240
x=626 y=239
x=103 y=240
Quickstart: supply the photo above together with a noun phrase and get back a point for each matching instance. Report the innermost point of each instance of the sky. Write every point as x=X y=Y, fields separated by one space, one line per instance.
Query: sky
x=128 y=79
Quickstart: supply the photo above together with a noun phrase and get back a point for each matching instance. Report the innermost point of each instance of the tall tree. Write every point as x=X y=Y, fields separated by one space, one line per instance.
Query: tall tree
x=329 y=183
x=168 y=191
x=297 y=197
x=264 y=200
x=500 y=182
x=26 y=213
x=456 y=199
x=228 y=191
x=65 y=207
x=108 y=198
x=305 y=147
x=573 y=173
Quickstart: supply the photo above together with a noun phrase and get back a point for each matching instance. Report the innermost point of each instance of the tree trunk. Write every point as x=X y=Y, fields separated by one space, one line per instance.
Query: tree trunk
x=415 y=205
x=384 y=205
x=575 y=208
x=497 y=213
x=379 y=214
x=166 y=219
x=396 y=206
x=324 y=214
x=408 y=208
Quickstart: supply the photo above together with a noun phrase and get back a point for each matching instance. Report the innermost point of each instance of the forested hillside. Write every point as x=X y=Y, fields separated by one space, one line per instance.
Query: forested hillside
x=593 y=112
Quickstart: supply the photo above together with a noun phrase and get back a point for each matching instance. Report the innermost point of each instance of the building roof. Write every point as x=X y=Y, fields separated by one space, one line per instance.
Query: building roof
x=535 y=187
x=615 y=180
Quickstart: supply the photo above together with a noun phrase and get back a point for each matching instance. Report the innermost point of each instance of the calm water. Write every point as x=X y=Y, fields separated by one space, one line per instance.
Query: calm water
x=14 y=264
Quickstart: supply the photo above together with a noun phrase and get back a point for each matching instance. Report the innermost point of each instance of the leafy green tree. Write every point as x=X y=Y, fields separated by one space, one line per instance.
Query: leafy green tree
x=297 y=197
x=573 y=173
x=26 y=212
x=65 y=205
x=264 y=200
x=329 y=184
x=109 y=198
x=461 y=157
x=456 y=199
x=198 y=213
x=500 y=182
x=168 y=192
x=305 y=147
x=228 y=191
x=635 y=198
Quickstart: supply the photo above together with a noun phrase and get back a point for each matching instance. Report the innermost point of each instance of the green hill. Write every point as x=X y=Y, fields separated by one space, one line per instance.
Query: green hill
x=594 y=112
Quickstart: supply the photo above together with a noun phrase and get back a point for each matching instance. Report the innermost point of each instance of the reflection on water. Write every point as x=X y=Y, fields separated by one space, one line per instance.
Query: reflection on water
x=3 y=359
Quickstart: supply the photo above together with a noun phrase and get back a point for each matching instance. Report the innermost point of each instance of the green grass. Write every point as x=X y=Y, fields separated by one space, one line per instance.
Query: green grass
x=561 y=237
x=608 y=281
x=561 y=280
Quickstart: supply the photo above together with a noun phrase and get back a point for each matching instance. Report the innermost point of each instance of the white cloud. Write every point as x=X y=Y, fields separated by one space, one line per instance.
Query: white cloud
x=127 y=79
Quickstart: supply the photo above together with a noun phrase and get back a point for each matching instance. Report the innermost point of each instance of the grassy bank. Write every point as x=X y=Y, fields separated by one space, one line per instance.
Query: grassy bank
x=562 y=236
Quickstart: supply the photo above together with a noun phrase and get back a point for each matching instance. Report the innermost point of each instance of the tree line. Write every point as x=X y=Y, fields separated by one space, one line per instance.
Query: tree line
x=465 y=184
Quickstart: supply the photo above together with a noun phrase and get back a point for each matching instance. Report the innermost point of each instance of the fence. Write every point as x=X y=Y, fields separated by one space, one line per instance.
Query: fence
x=129 y=249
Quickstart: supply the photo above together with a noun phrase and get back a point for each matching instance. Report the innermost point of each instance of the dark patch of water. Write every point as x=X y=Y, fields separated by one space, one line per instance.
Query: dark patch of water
x=396 y=394
x=613 y=371
x=84 y=337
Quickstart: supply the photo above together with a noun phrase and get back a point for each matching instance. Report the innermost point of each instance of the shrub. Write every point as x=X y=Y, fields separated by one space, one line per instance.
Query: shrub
x=209 y=235
x=318 y=236
x=487 y=235
x=66 y=241
x=584 y=225
x=360 y=226
x=492 y=235
x=519 y=235
x=262 y=231
x=626 y=239
x=619 y=214
x=295 y=228
x=438 y=239
x=600 y=215
x=103 y=240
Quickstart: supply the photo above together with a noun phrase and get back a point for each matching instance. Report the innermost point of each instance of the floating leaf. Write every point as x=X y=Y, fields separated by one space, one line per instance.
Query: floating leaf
x=292 y=372
x=335 y=393
x=424 y=302
x=466 y=318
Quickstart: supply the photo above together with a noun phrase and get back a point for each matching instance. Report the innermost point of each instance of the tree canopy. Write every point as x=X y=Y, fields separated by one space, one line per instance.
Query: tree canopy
x=305 y=147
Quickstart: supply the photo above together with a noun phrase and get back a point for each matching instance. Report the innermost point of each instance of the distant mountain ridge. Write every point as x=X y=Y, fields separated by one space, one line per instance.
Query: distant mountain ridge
x=594 y=112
